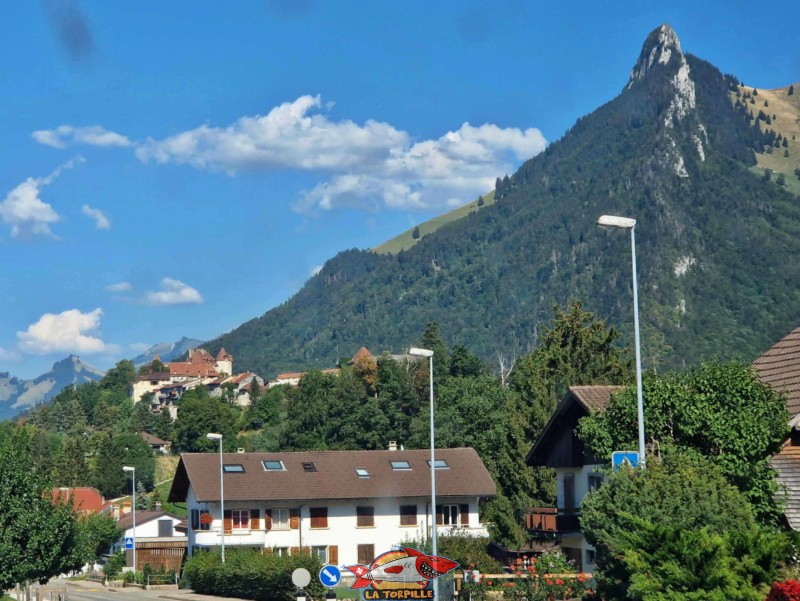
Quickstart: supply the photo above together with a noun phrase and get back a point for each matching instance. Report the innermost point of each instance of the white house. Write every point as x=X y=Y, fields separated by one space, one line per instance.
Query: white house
x=577 y=472
x=158 y=541
x=343 y=506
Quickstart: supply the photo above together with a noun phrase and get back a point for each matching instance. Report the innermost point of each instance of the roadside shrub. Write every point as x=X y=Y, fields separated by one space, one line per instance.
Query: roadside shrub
x=248 y=574
x=788 y=590
x=114 y=565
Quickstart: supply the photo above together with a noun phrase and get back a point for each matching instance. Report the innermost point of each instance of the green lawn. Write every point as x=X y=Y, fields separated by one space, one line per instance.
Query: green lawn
x=163 y=490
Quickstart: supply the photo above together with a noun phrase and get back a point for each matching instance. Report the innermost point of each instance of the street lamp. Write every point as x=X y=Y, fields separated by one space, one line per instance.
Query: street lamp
x=626 y=223
x=214 y=436
x=132 y=470
x=421 y=352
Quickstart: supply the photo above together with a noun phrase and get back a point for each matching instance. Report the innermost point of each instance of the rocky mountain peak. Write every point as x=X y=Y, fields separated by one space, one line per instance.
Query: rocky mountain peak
x=661 y=47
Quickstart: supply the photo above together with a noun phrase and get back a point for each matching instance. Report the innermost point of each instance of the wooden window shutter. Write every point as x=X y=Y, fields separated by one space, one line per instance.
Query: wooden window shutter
x=294 y=519
x=268 y=519
x=228 y=521
x=319 y=517
x=439 y=516
x=333 y=555
x=255 y=519
x=195 y=519
x=464 y=511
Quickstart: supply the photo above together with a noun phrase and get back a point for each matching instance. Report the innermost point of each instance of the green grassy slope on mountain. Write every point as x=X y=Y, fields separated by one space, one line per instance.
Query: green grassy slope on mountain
x=406 y=240
x=715 y=245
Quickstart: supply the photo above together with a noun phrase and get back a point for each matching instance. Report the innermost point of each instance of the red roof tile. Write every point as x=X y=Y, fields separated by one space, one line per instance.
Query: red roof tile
x=84 y=498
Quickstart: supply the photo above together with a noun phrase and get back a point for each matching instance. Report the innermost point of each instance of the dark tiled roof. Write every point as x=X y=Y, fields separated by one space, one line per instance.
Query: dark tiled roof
x=780 y=368
x=151 y=440
x=142 y=517
x=594 y=398
x=335 y=476
x=787 y=465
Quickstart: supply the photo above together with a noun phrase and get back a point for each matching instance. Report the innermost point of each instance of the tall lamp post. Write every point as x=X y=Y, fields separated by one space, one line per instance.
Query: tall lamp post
x=626 y=223
x=132 y=470
x=421 y=352
x=215 y=436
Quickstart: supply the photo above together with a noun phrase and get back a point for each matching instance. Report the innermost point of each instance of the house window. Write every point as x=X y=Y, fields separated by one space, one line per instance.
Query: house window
x=408 y=515
x=206 y=519
x=400 y=465
x=164 y=528
x=233 y=468
x=595 y=481
x=590 y=556
x=569 y=491
x=241 y=519
x=280 y=519
x=320 y=553
x=363 y=472
x=319 y=517
x=280 y=551
x=273 y=466
x=441 y=464
x=365 y=517
x=366 y=554
x=449 y=515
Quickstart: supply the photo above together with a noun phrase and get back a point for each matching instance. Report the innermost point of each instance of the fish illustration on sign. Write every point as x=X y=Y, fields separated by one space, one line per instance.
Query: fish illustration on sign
x=404 y=565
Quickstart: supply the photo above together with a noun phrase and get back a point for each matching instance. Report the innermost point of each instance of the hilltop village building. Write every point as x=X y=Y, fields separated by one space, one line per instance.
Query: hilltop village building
x=345 y=507
x=199 y=369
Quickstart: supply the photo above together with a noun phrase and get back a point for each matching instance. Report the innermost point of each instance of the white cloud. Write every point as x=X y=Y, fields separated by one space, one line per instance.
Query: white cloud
x=369 y=166
x=173 y=292
x=64 y=332
x=101 y=220
x=94 y=135
x=25 y=211
x=6 y=355
x=119 y=287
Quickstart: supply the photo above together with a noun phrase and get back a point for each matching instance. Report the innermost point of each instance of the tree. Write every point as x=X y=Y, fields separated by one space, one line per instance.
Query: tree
x=481 y=202
x=119 y=377
x=39 y=538
x=200 y=414
x=415 y=233
x=678 y=530
x=116 y=451
x=791 y=90
x=577 y=349
x=720 y=410
x=97 y=532
x=781 y=179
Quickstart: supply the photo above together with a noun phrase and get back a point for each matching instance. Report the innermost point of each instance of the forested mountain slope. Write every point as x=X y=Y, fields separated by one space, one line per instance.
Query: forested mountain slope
x=716 y=242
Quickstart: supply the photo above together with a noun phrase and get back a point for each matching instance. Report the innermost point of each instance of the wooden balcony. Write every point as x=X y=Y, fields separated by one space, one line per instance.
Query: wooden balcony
x=552 y=521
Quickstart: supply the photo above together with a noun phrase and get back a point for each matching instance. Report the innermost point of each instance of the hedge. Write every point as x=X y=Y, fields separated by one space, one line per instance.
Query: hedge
x=249 y=574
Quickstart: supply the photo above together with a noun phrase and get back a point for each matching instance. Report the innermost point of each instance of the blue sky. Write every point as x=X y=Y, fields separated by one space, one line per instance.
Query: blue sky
x=175 y=168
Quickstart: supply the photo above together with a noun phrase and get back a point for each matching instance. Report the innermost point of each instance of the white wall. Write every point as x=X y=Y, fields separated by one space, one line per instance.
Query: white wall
x=581 y=475
x=342 y=529
x=147 y=530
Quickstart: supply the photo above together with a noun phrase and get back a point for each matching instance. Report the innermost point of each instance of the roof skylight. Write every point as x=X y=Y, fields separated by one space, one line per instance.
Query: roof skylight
x=363 y=472
x=400 y=465
x=236 y=468
x=273 y=465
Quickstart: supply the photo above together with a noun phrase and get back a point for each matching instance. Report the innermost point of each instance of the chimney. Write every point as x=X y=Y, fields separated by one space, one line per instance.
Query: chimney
x=240 y=450
x=158 y=506
x=392 y=445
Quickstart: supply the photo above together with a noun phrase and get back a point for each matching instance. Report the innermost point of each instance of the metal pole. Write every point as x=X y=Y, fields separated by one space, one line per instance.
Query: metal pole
x=433 y=483
x=222 y=499
x=133 y=485
x=639 y=400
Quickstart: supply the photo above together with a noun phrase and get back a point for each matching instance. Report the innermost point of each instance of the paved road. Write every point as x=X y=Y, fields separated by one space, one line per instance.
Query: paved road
x=94 y=591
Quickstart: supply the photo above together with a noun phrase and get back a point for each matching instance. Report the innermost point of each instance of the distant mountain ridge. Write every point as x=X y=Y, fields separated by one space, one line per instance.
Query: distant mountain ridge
x=716 y=242
x=17 y=395
x=167 y=351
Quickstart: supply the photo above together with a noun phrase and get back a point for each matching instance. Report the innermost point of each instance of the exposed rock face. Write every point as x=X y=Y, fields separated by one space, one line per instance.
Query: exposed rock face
x=661 y=46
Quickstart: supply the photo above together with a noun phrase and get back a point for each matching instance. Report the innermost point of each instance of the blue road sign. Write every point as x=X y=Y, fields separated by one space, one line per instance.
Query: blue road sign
x=129 y=542
x=620 y=458
x=330 y=576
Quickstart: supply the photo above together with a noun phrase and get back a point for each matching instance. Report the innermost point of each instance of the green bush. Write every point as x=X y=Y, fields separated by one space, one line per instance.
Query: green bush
x=248 y=574
x=114 y=565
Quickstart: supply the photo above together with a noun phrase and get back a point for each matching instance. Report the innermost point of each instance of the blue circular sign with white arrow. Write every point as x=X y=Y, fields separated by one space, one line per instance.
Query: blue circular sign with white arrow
x=330 y=576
